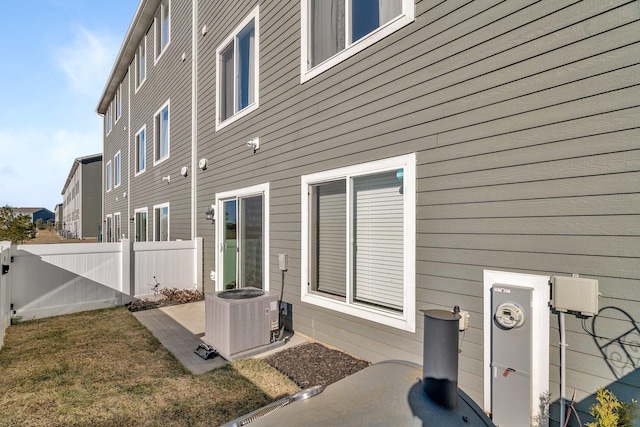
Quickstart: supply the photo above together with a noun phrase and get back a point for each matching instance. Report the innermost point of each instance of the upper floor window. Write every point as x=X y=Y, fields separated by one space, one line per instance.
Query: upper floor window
x=109 y=176
x=333 y=30
x=163 y=27
x=141 y=62
x=161 y=133
x=237 y=72
x=119 y=102
x=109 y=118
x=141 y=150
x=117 y=167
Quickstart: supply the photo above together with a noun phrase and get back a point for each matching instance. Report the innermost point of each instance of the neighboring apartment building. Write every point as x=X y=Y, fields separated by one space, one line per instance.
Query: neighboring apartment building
x=36 y=214
x=399 y=152
x=82 y=199
x=59 y=216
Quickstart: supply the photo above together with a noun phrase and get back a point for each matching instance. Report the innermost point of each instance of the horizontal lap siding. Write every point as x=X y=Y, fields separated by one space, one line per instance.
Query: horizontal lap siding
x=524 y=118
x=168 y=79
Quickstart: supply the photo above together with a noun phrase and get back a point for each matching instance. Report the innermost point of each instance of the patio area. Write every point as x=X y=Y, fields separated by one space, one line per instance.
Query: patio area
x=181 y=329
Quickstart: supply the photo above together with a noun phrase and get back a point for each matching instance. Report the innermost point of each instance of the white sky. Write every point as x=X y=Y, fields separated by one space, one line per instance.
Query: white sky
x=55 y=57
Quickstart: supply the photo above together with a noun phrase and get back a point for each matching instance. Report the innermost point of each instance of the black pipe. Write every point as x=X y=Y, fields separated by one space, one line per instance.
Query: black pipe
x=440 y=357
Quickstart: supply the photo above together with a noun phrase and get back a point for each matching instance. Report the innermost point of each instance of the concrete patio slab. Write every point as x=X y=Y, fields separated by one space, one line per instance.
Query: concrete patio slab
x=181 y=329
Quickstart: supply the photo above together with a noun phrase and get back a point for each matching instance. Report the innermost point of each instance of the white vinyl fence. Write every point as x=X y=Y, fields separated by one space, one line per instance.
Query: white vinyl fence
x=49 y=280
x=5 y=287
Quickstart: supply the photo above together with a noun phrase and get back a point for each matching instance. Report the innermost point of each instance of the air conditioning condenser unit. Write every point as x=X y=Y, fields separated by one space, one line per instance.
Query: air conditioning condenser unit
x=240 y=320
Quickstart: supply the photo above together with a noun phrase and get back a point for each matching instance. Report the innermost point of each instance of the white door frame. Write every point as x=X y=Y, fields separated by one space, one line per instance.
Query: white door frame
x=260 y=189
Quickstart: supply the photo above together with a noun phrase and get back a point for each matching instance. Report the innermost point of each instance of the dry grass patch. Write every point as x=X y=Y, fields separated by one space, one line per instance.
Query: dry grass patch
x=103 y=368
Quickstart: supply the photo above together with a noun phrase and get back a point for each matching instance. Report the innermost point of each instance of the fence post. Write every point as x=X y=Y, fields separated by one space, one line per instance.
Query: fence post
x=5 y=290
x=199 y=259
x=125 y=274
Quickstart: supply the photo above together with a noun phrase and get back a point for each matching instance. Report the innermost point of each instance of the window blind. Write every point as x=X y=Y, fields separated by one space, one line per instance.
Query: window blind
x=378 y=234
x=331 y=237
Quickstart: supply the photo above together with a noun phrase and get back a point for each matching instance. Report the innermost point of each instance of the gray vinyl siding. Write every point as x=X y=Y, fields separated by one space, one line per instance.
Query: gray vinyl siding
x=167 y=80
x=91 y=202
x=524 y=120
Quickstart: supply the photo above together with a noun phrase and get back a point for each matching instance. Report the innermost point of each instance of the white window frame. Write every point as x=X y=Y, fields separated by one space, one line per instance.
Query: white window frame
x=406 y=320
x=119 y=102
x=156 y=140
x=139 y=80
x=135 y=224
x=158 y=31
x=109 y=118
x=117 y=223
x=117 y=170
x=143 y=130
x=156 y=207
x=107 y=231
x=307 y=72
x=254 y=15
x=255 y=190
x=109 y=176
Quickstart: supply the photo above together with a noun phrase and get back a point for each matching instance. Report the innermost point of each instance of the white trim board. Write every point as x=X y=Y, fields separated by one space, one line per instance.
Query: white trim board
x=539 y=331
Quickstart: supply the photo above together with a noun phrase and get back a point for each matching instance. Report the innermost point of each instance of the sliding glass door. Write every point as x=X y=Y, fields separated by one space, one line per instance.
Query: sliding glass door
x=241 y=233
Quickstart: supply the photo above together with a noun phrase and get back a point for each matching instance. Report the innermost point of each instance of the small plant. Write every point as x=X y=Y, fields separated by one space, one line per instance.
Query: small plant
x=610 y=412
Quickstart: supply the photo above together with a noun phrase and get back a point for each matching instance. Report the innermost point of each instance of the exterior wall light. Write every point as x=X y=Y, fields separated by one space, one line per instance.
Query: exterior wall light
x=254 y=144
x=210 y=214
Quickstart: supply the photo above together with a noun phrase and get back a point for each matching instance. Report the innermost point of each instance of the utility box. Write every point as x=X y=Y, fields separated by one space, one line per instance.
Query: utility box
x=511 y=360
x=574 y=294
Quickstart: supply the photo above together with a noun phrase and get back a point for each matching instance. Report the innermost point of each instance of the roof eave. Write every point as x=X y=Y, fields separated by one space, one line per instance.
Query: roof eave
x=137 y=29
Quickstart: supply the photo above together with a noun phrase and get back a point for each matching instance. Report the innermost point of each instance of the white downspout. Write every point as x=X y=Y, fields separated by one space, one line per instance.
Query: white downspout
x=129 y=160
x=194 y=118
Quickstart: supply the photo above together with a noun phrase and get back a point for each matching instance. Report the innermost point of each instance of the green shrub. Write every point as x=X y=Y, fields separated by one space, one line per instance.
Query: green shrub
x=610 y=412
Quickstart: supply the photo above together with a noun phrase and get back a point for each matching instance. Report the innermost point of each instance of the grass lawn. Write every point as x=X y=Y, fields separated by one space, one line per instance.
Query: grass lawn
x=103 y=368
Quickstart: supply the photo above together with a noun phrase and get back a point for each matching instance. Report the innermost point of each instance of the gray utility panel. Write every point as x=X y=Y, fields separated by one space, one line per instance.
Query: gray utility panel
x=511 y=355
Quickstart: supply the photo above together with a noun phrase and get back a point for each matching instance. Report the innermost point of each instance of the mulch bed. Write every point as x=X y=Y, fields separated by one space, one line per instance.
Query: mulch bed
x=167 y=297
x=314 y=364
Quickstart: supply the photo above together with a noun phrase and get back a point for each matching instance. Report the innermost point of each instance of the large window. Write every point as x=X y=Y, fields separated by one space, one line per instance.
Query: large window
x=141 y=225
x=141 y=63
x=118 y=169
x=237 y=72
x=161 y=134
x=333 y=30
x=141 y=150
x=161 y=223
x=359 y=241
x=109 y=175
x=163 y=27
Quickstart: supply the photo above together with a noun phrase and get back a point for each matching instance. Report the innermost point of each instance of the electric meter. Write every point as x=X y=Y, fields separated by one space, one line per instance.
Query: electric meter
x=509 y=315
